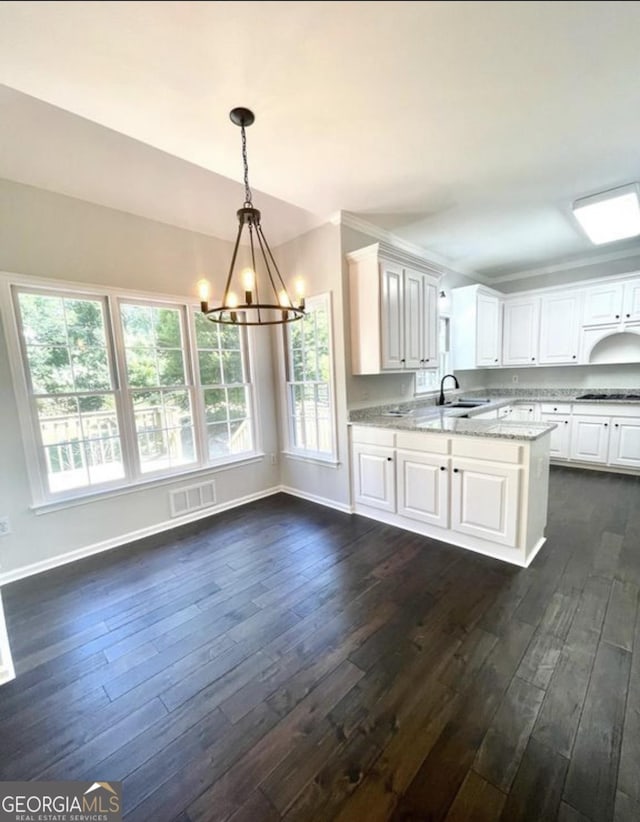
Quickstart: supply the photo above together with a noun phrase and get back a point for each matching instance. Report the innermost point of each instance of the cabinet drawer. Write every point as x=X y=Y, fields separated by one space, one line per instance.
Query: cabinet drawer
x=555 y=407
x=490 y=449
x=417 y=441
x=372 y=436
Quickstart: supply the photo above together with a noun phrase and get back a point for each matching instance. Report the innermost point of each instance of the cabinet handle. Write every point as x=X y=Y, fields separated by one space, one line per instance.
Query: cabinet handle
x=455 y=470
x=442 y=468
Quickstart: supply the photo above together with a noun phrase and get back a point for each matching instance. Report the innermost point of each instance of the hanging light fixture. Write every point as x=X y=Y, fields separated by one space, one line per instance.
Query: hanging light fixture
x=266 y=302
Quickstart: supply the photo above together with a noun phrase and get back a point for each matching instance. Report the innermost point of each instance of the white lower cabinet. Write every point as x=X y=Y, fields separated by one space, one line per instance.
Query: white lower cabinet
x=521 y=412
x=423 y=487
x=624 y=444
x=487 y=495
x=485 y=500
x=374 y=476
x=589 y=438
x=560 y=447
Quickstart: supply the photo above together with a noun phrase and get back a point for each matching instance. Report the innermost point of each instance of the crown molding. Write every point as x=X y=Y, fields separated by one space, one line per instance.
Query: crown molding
x=567 y=265
x=426 y=257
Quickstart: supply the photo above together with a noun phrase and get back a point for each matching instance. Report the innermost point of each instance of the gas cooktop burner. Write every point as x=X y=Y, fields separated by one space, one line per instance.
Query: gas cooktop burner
x=609 y=397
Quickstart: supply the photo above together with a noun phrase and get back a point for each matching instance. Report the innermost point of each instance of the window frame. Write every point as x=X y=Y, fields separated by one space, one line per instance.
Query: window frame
x=291 y=448
x=11 y=285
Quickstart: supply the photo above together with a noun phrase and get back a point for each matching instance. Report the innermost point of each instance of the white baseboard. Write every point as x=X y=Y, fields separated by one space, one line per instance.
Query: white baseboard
x=7 y=672
x=329 y=503
x=131 y=536
x=534 y=551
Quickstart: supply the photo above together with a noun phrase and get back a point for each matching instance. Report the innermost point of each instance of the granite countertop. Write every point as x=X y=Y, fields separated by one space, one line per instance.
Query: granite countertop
x=424 y=415
x=442 y=420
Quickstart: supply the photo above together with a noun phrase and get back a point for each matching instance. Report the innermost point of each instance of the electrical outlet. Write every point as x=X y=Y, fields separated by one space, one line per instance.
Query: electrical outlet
x=274 y=459
x=5 y=527
x=514 y=378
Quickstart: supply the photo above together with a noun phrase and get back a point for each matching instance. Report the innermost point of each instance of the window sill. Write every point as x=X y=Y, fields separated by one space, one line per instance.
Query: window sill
x=145 y=484
x=328 y=462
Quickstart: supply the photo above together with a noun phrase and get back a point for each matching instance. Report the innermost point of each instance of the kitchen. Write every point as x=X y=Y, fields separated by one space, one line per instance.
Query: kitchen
x=378 y=563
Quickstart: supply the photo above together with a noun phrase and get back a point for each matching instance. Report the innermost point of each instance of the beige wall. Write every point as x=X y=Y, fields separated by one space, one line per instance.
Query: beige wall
x=59 y=237
x=316 y=256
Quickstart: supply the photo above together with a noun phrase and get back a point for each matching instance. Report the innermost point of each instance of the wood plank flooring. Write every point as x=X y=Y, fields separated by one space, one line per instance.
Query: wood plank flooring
x=283 y=661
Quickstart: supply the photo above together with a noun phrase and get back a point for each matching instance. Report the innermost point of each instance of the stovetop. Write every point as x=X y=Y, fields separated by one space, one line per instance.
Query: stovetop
x=609 y=397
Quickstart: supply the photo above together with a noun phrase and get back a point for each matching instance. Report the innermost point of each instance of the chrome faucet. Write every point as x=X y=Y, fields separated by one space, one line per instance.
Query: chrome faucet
x=441 y=397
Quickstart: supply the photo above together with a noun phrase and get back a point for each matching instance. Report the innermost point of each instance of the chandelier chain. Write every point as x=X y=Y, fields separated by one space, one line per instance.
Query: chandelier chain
x=247 y=190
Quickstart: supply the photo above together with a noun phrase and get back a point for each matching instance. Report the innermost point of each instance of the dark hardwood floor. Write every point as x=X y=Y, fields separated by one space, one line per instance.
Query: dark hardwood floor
x=284 y=661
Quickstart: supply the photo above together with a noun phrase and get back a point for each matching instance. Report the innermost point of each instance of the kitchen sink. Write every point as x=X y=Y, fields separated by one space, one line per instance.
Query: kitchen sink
x=462 y=404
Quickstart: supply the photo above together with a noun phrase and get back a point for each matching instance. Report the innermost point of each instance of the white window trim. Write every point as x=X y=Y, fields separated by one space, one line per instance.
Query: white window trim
x=290 y=450
x=42 y=498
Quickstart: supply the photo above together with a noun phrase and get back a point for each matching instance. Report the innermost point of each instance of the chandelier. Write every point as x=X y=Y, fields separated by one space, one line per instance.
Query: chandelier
x=266 y=298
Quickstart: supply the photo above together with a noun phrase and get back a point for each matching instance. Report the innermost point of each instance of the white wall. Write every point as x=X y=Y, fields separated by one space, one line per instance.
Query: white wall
x=315 y=256
x=571 y=376
x=53 y=236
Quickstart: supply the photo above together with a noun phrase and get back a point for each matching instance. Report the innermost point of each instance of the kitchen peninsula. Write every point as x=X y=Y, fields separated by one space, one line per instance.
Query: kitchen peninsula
x=481 y=484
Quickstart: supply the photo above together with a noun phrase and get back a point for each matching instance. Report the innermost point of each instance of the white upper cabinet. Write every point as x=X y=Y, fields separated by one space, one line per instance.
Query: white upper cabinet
x=488 y=330
x=559 y=328
x=612 y=303
x=394 y=311
x=476 y=328
x=392 y=316
x=521 y=330
x=631 y=301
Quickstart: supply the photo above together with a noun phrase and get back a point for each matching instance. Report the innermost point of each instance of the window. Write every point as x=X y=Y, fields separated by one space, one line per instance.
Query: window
x=121 y=390
x=158 y=386
x=72 y=388
x=309 y=379
x=222 y=365
x=427 y=381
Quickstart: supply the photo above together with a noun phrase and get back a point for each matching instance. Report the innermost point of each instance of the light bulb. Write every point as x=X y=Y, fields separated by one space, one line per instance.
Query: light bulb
x=232 y=300
x=203 y=293
x=283 y=299
x=299 y=287
x=248 y=279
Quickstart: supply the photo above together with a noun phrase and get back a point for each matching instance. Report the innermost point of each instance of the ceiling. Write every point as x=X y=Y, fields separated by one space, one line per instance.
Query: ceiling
x=467 y=128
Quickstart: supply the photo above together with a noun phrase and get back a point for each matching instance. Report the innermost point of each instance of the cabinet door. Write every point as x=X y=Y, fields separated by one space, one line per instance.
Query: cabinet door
x=485 y=500
x=602 y=304
x=374 y=476
x=414 y=318
x=520 y=333
x=430 y=325
x=624 y=448
x=589 y=438
x=488 y=330
x=560 y=436
x=392 y=317
x=559 y=328
x=423 y=483
x=631 y=304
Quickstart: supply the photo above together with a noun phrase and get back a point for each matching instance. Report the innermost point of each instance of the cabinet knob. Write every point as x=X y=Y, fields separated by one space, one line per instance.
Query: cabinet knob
x=617 y=316
x=389 y=459
x=555 y=409
x=496 y=359
x=442 y=468
x=455 y=470
x=533 y=359
x=606 y=425
x=566 y=422
x=573 y=356
x=427 y=360
x=402 y=360
x=615 y=425
x=627 y=315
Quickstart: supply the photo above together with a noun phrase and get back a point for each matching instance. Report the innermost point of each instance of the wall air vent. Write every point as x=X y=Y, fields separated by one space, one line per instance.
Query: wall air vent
x=192 y=498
